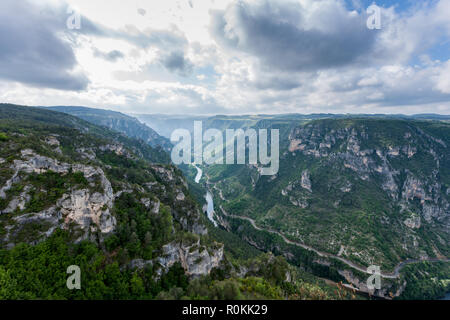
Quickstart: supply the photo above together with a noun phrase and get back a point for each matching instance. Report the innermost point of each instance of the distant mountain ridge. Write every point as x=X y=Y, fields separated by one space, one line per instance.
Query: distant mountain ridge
x=117 y=121
x=165 y=124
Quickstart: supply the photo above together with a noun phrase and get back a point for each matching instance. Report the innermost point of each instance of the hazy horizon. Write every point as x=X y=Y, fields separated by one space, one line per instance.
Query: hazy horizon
x=246 y=114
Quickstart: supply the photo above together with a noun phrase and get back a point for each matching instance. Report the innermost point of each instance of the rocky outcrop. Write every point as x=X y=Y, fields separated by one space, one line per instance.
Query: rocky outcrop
x=18 y=202
x=413 y=222
x=390 y=171
x=188 y=216
x=306 y=182
x=196 y=260
x=139 y=264
x=152 y=205
x=433 y=204
x=190 y=221
x=361 y=285
x=117 y=148
x=295 y=190
x=376 y=160
x=89 y=211
x=296 y=197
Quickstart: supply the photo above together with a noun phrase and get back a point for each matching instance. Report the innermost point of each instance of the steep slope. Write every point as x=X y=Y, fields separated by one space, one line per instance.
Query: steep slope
x=72 y=193
x=119 y=122
x=367 y=191
x=94 y=187
x=384 y=182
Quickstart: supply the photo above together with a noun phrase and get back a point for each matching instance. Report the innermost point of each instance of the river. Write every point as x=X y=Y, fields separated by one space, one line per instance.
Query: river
x=208 y=197
x=199 y=174
x=210 y=207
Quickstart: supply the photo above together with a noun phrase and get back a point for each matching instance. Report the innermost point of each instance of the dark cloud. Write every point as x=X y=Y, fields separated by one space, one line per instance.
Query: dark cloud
x=141 y=11
x=176 y=62
x=171 y=44
x=277 y=83
x=111 y=56
x=31 y=50
x=281 y=37
x=162 y=39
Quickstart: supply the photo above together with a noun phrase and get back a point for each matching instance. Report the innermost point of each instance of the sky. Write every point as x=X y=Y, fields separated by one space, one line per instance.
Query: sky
x=227 y=57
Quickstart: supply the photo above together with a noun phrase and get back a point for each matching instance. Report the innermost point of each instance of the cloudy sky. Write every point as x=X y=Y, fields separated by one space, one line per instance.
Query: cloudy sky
x=227 y=57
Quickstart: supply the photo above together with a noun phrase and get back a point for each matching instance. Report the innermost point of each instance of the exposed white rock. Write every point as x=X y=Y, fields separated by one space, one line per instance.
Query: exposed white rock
x=409 y=151
x=15 y=178
x=139 y=264
x=90 y=211
x=413 y=222
x=295 y=145
x=306 y=181
x=86 y=153
x=18 y=202
x=347 y=187
x=430 y=211
x=118 y=149
x=120 y=192
x=146 y=202
x=301 y=203
x=51 y=140
x=394 y=151
x=413 y=188
x=195 y=259
x=167 y=173
x=180 y=196
x=156 y=206
x=152 y=205
x=150 y=185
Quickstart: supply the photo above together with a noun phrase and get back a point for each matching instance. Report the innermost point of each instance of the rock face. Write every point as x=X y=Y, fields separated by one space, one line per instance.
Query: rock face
x=306 y=182
x=344 y=180
x=359 y=149
x=413 y=222
x=384 y=292
x=295 y=191
x=89 y=180
x=188 y=216
x=296 y=196
x=88 y=211
x=119 y=122
x=195 y=259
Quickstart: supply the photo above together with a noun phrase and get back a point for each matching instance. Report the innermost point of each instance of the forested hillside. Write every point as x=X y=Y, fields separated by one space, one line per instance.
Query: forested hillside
x=73 y=193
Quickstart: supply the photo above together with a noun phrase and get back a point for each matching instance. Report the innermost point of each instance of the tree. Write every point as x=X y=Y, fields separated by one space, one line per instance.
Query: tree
x=137 y=286
x=148 y=239
x=7 y=286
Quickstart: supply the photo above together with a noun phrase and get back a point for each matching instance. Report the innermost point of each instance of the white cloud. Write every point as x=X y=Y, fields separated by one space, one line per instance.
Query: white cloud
x=234 y=57
x=443 y=78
